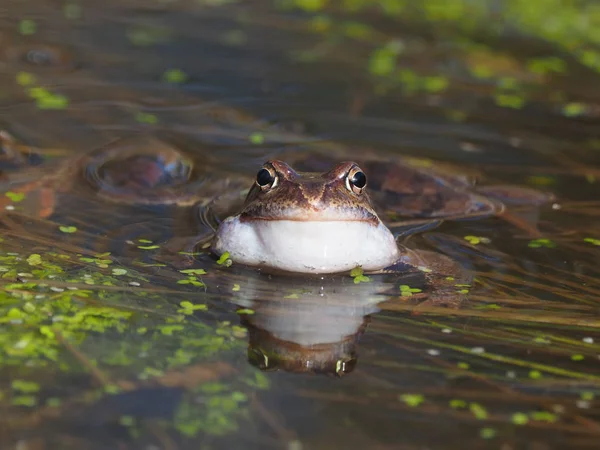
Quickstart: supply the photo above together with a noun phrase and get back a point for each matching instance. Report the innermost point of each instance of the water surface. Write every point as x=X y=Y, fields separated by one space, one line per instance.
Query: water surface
x=107 y=342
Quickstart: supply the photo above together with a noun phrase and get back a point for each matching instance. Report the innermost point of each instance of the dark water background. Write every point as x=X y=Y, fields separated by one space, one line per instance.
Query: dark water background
x=104 y=346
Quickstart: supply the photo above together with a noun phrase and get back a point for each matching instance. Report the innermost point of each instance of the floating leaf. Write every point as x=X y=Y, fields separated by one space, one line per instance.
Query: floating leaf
x=457 y=404
x=412 y=400
x=27 y=387
x=487 y=433
x=361 y=279
x=27 y=27
x=224 y=260
x=34 y=260
x=188 y=307
x=147 y=118
x=175 y=76
x=356 y=272
x=478 y=411
x=25 y=78
x=574 y=109
x=537 y=243
x=194 y=271
x=52 y=101
x=544 y=416
x=15 y=196
x=535 y=374
x=520 y=419
x=193 y=281
x=257 y=138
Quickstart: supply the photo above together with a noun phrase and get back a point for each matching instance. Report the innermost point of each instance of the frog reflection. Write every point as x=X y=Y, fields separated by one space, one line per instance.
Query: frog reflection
x=311 y=325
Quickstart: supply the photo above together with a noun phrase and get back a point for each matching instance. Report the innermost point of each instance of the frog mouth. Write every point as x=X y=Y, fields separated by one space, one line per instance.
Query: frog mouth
x=326 y=246
x=371 y=220
x=311 y=215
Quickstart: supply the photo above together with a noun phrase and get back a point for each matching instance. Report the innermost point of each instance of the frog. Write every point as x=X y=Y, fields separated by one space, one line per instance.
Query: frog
x=308 y=223
x=127 y=171
x=323 y=223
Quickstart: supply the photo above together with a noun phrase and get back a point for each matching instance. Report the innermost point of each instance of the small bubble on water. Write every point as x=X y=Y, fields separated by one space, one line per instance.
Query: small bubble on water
x=434 y=100
x=446 y=330
x=134 y=283
x=556 y=206
x=9 y=207
x=582 y=404
x=558 y=409
x=515 y=141
x=21 y=344
x=478 y=350
x=56 y=289
x=588 y=340
x=469 y=147
x=511 y=374
x=433 y=352
x=295 y=445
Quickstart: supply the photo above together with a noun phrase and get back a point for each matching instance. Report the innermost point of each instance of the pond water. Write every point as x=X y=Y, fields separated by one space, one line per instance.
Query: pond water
x=121 y=331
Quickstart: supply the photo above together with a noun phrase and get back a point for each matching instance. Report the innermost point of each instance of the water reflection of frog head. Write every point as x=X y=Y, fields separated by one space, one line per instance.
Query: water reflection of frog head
x=310 y=324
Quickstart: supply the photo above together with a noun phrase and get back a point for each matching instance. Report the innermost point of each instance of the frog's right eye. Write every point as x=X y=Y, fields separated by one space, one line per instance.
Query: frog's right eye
x=356 y=180
x=266 y=178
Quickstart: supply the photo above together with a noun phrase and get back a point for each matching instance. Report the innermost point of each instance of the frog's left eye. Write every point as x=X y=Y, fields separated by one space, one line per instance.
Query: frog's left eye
x=266 y=178
x=356 y=180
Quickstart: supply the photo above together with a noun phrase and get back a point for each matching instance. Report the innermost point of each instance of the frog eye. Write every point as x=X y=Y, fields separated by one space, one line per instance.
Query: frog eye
x=266 y=178
x=356 y=180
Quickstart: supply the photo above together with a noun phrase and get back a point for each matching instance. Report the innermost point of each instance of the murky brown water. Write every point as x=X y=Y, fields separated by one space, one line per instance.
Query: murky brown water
x=115 y=336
